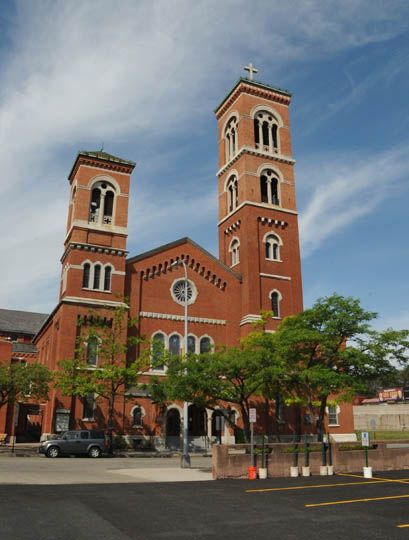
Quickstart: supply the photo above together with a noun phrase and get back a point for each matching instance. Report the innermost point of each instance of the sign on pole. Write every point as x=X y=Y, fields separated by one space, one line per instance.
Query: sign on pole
x=365 y=438
x=253 y=416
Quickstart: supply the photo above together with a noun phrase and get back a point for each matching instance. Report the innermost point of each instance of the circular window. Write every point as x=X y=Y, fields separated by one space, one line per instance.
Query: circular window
x=180 y=291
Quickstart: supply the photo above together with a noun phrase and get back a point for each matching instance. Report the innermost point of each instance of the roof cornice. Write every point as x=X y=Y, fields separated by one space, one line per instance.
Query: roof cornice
x=254 y=88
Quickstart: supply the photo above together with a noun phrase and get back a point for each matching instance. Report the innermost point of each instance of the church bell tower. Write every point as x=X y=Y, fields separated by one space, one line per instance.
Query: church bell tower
x=258 y=218
x=93 y=262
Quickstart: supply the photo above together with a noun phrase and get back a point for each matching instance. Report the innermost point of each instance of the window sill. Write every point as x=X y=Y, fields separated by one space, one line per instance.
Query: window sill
x=235 y=264
x=96 y=290
x=274 y=260
x=276 y=318
x=334 y=425
x=88 y=419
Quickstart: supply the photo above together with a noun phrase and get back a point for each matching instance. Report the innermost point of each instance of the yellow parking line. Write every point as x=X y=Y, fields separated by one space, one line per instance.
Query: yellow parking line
x=263 y=490
x=404 y=526
x=393 y=480
x=406 y=496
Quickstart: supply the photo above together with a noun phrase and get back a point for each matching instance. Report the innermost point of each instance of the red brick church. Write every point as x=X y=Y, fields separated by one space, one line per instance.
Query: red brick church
x=258 y=266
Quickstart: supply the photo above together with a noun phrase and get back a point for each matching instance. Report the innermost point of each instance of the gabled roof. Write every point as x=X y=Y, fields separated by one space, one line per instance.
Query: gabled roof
x=176 y=243
x=21 y=322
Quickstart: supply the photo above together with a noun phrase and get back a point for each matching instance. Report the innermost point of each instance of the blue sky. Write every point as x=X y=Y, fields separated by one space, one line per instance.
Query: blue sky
x=144 y=77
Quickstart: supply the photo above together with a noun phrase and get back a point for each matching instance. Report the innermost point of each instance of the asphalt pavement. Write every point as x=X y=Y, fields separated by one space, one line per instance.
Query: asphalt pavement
x=338 y=507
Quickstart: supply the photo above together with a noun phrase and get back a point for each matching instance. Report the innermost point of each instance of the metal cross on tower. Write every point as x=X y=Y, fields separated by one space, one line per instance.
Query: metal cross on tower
x=251 y=69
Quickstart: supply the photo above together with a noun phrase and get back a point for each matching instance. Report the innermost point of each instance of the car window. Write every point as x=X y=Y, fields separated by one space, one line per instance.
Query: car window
x=84 y=434
x=71 y=435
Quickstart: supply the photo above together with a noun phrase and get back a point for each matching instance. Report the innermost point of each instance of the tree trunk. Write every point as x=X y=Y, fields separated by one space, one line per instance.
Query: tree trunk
x=246 y=423
x=320 y=421
x=298 y=422
x=71 y=421
x=111 y=423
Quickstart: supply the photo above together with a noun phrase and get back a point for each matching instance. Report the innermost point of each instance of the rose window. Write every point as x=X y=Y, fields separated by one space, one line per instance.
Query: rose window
x=179 y=291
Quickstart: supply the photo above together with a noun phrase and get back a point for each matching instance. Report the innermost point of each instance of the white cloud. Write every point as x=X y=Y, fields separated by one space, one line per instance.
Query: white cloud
x=82 y=72
x=345 y=189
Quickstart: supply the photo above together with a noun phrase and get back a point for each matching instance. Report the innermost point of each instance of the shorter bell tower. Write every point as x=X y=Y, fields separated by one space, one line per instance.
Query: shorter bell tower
x=93 y=262
x=258 y=218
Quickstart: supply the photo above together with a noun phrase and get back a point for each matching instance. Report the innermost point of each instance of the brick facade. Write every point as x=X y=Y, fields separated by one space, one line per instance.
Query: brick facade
x=97 y=274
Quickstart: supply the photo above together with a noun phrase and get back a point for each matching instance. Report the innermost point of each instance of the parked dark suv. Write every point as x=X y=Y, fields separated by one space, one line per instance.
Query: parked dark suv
x=85 y=441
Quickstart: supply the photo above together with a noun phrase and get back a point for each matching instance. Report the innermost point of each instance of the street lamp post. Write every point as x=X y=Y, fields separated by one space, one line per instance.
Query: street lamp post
x=185 y=459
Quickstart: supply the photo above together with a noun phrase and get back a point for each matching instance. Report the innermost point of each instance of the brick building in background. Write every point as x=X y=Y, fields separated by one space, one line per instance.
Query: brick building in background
x=258 y=266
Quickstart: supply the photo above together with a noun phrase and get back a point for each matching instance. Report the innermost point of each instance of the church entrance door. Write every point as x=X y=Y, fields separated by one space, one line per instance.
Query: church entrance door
x=173 y=429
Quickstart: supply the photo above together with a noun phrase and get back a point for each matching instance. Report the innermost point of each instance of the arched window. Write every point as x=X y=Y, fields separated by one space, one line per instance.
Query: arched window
x=191 y=344
x=137 y=417
x=158 y=347
x=85 y=275
x=107 y=278
x=92 y=351
x=102 y=203
x=174 y=345
x=273 y=244
x=205 y=345
x=235 y=251
x=275 y=297
x=269 y=187
x=108 y=206
x=232 y=194
x=97 y=276
x=266 y=132
x=95 y=205
x=88 y=403
x=230 y=136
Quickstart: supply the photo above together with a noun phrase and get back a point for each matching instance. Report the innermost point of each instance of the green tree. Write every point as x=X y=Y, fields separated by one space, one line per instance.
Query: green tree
x=331 y=349
x=20 y=380
x=231 y=376
x=101 y=367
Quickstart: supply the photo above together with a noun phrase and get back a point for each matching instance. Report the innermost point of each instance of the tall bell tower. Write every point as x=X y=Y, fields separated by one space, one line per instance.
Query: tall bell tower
x=93 y=262
x=258 y=218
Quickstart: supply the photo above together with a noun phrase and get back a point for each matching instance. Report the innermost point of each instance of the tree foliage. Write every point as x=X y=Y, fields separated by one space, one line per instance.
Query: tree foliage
x=112 y=375
x=327 y=350
x=20 y=381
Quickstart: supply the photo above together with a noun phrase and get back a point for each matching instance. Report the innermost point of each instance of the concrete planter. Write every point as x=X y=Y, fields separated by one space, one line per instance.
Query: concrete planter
x=306 y=471
x=367 y=472
x=323 y=470
x=262 y=473
x=293 y=472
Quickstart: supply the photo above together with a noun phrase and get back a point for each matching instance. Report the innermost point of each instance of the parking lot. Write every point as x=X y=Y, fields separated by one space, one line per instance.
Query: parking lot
x=338 y=507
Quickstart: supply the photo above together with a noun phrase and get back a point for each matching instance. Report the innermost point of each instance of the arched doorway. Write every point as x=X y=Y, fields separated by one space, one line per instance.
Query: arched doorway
x=173 y=429
x=197 y=424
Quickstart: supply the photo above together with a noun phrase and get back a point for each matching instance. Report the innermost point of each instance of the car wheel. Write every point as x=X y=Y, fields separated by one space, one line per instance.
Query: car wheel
x=94 y=452
x=53 y=452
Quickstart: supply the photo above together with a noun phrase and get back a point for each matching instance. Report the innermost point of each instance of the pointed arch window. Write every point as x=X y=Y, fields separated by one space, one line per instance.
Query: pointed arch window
x=107 y=278
x=269 y=187
x=86 y=275
x=276 y=298
x=174 y=345
x=232 y=194
x=266 y=132
x=235 y=251
x=230 y=136
x=273 y=244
